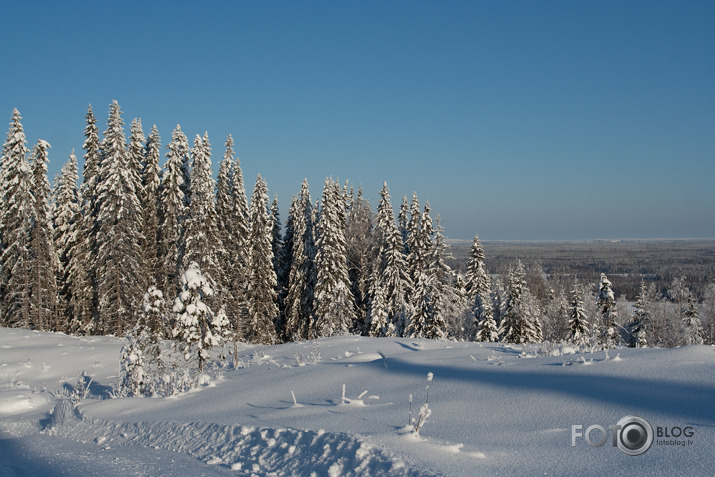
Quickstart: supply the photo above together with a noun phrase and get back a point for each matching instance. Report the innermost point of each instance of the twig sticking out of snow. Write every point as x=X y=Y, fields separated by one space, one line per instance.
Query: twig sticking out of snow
x=416 y=424
x=409 y=413
x=384 y=358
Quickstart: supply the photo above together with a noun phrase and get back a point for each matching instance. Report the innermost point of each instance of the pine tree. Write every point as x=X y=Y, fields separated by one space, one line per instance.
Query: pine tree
x=334 y=303
x=151 y=184
x=203 y=242
x=67 y=215
x=43 y=258
x=15 y=225
x=81 y=274
x=578 y=320
x=606 y=302
x=173 y=212
x=299 y=301
x=389 y=304
x=118 y=237
x=196 y=324
x=261 y=283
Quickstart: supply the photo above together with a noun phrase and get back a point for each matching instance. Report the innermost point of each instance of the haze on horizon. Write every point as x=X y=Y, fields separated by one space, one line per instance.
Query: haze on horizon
x=516 y=120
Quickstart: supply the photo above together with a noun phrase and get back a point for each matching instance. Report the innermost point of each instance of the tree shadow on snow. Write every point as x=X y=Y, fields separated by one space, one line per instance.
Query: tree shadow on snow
x=411 y=347
x=684 y=400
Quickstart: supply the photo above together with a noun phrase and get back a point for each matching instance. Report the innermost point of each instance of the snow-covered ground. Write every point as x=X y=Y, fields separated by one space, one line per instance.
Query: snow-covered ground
x=496 y=410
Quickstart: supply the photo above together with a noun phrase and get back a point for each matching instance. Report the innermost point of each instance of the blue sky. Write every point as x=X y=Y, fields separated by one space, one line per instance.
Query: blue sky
x=516 y=120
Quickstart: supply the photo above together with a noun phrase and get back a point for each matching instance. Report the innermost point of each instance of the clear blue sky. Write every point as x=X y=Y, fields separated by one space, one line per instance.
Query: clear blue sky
x=515 y=119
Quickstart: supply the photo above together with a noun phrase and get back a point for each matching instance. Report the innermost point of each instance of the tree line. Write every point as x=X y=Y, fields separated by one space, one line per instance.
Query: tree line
x=172 y=250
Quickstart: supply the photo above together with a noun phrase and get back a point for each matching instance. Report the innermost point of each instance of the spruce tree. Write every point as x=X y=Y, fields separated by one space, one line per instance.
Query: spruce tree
x=203 y=241
x=403 y=220
x=692 y=329
x=118 y=236
x=279 y=265
x=197 y=327
x=81 y=274
x=228 y=254
x=136 y=151
x=224 y=193
x=640 y=320
x=136 y=154
x=389 y=308
x=151 y=184
x=286 y=254
x=239 y=249
x=361 y=254
x=606 y=303
x=15 y=225
x=520 y=323
x=478 y=289
x=173 y=212
x=416 y=247
x=299 y=301
x=578 y=320
x=261 y=286
x=427 y=320
x=334 y=303
x=67 y=215
x=43 y=258
x=556 y=316
x=449 y=300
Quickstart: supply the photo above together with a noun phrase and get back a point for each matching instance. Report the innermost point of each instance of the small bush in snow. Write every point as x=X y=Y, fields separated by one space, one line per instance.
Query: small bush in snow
x=416 y=423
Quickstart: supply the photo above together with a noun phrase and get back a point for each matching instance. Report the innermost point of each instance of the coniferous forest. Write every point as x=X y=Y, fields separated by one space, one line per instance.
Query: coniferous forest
x=154 y=245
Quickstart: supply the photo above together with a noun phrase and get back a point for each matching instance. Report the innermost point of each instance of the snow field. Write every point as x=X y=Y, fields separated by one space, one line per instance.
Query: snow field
x=339 y=406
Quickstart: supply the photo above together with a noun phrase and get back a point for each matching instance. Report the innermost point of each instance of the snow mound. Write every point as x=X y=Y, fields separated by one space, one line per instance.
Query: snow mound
x=246 y=450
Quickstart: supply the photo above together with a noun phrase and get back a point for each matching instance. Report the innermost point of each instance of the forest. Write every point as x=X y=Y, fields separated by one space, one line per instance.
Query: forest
x=166 y=250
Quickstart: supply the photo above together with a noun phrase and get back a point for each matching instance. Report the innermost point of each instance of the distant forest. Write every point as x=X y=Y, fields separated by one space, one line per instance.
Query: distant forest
x=141 y=247
x=626 y=262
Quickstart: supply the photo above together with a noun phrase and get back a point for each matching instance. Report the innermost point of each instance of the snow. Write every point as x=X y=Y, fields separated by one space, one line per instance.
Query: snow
x=345 y=411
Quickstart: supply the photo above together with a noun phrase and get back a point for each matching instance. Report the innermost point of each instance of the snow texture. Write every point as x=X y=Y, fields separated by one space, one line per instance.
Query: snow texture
x=343 y=412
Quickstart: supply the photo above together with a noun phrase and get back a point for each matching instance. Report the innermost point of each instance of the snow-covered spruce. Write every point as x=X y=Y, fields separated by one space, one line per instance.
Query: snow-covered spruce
x=606 y=303
x=197 y=328
x=334 y=303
